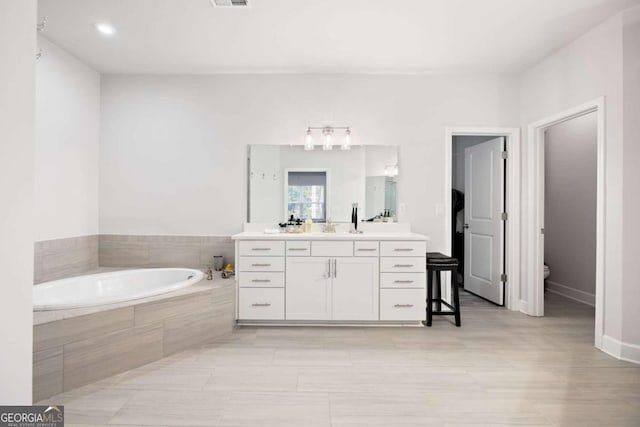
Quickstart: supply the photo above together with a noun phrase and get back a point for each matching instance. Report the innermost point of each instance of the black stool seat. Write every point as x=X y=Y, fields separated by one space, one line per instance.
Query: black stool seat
x=436 y=263
x=438 y=259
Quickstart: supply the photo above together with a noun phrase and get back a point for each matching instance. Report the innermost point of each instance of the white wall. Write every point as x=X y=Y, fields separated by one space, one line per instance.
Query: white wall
x=17 y=112
x=588 y=68
x=172 y=145
x=631 y=176
x=570 y=207
x=67 y=138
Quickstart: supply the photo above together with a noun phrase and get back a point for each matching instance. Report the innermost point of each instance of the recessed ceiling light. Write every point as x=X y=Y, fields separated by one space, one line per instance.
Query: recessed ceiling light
x=105 y=28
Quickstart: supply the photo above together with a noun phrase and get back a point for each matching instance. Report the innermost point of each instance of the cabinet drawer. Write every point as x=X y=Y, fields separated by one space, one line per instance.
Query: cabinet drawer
x=261 y=248
x=403 y=280
x=261 y=303
x=403 y=264
x=332 y=249
x=366 y=248
x=403 y=249
x=402 y=304
x=261 y=280
x=299 y=248
x=262 y=263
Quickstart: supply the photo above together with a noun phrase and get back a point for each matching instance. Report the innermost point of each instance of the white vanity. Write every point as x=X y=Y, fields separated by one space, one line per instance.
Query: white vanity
x=343 y=278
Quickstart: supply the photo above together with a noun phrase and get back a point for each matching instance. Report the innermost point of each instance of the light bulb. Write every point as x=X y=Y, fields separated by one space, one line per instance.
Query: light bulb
x=327 y=141
x=347 y=141
x=308 y=142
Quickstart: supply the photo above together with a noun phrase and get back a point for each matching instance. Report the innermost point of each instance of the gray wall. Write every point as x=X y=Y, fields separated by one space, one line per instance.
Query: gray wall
x=570 y=207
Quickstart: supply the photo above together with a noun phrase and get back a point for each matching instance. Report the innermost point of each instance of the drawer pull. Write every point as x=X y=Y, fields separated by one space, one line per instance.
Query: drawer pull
x=403 y=281
x=367 y=249
x=260 y=265
x=297 y=249
x=260 y=249
x=261 y=281
x=403 y=249
x=257 y=304
x=403 y=305
x=403 y=265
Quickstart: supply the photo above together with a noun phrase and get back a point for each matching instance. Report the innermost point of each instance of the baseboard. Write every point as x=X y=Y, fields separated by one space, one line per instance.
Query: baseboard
x=524 y=307
x=621 y=350
x=571 y=293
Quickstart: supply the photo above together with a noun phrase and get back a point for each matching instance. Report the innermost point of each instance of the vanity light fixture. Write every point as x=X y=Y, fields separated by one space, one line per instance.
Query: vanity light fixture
x=328 y=139
x=308 y=141
x=105 y=28
x=346 y=145
x=327 y=132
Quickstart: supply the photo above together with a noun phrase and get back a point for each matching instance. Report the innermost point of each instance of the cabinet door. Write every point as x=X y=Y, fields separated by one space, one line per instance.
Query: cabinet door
x=355 y=288
x=308 y=288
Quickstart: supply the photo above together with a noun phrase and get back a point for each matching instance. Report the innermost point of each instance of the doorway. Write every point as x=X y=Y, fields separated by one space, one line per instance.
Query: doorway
x=570 y=208
x=507 y=274
x=478 y=220
x=534 y=230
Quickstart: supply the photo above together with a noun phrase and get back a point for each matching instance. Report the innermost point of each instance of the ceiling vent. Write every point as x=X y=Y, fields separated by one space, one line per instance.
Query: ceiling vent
x=229 y=3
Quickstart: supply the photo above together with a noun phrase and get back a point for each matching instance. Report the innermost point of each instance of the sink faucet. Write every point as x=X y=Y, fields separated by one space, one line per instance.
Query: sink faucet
x=209 y=274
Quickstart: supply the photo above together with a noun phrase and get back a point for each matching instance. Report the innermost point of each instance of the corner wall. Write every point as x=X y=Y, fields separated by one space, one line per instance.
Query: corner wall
x=17 y=113
x=66 y=164
x=67 y=140
x=631 y=177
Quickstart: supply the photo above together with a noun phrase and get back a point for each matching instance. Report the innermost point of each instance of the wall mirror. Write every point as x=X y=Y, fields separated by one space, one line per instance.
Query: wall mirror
x=322 y=185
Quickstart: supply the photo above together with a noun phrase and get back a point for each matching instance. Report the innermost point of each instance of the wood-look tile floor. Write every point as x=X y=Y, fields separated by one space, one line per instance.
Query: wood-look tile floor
x=499 y=368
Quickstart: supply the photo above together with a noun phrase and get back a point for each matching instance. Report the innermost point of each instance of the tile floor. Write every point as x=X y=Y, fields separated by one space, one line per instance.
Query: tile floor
x=500 y=368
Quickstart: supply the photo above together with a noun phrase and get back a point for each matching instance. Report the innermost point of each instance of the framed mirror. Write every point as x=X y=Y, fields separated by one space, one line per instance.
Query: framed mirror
x=321 y=185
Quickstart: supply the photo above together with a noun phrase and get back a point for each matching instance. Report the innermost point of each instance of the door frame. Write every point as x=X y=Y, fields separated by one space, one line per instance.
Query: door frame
x=534 y=241
x=513 y=194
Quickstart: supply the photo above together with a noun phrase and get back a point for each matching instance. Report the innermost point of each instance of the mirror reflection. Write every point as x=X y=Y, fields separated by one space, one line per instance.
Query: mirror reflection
x=321 y=185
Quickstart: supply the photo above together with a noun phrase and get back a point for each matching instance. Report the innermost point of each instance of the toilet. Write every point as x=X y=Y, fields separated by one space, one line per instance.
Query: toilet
x=547 y=271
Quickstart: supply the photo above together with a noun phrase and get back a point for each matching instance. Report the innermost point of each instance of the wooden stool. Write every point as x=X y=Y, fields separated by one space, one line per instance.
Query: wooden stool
x=437 y=262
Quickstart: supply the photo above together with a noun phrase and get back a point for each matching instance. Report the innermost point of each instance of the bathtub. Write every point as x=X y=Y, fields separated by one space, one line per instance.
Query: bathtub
x=111 y=287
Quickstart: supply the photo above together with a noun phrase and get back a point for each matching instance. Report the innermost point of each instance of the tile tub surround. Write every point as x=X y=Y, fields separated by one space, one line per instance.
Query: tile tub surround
x=75 y=347
x=117 y=250
x=61 y=258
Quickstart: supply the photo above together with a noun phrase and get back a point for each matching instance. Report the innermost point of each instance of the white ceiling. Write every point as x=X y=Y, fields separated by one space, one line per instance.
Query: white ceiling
x=321 y=36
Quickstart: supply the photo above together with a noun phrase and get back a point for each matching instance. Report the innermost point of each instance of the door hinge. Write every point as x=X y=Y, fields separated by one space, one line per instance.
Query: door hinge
x=503 y=278
x=505 y=155
x=505 y=216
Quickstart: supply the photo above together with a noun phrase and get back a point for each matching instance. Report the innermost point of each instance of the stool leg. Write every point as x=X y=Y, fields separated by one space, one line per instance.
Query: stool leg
x=456 y=296
x=429 y=297
x=438 y=297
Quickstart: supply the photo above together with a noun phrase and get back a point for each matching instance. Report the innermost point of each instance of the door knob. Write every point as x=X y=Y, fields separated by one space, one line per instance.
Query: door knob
x=466 y=226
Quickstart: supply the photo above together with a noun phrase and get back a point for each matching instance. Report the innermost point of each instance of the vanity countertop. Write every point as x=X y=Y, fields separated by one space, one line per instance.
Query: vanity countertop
x=258 y=235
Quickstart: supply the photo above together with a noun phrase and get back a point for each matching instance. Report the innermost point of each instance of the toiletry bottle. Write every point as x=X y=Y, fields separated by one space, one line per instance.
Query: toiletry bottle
x=308 y=225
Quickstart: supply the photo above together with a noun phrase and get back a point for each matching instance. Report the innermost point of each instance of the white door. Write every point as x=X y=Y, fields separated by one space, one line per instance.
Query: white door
x=308 y=289
x=355 y=288
x=484 y=228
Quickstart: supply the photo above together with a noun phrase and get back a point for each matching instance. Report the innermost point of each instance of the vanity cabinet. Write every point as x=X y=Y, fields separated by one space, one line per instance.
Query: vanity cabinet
x=308 y=288
x=318 y=280
x=402 y=280
x=332 y=288
x=261 y=280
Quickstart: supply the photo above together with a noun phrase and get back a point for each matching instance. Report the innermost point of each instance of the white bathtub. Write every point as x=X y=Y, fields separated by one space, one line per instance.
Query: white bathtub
x=111 y=287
